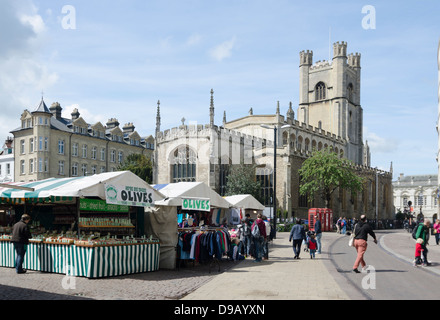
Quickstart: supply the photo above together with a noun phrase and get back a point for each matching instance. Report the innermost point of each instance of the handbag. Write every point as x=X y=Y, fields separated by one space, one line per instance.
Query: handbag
x=351 y=241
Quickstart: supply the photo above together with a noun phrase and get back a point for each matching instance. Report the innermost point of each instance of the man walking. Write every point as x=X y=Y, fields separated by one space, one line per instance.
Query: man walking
x=20 y=239
x=361 y=232
x=298 y=234
x=318 y=232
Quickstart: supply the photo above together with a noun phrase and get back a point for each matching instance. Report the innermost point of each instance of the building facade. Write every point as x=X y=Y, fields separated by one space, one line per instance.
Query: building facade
x=329 y=116
x=7 y=161
x=421 y=190
x=50 y=146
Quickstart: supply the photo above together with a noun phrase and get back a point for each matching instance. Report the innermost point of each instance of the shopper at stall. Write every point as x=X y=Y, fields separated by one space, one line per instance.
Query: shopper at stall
x=259 y=236
x=20 y=238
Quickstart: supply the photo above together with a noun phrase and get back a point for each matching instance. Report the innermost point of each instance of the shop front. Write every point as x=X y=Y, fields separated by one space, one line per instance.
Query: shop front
x=88 y=226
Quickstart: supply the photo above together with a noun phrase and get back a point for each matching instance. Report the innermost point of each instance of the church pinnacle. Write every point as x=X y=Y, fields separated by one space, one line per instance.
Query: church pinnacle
x=211 y=109
x=158 y=117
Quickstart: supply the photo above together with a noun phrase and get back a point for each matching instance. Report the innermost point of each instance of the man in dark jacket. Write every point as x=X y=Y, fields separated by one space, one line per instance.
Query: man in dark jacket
x=20 y=238
x=318 y=232
x=361 y=231
x=297 y=234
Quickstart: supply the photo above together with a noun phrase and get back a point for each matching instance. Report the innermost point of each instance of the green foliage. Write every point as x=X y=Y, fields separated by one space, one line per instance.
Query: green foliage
x=324 y=172
x=242 y=180
x=140 y=165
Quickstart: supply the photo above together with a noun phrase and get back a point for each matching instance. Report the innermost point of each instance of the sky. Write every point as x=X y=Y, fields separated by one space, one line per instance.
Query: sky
x=116 y=59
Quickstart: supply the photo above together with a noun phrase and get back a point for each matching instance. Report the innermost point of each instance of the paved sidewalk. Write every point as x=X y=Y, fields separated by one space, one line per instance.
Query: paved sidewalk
x=281 y=277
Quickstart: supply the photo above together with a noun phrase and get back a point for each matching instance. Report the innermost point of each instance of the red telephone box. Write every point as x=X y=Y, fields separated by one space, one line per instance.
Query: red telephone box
x=324 y=215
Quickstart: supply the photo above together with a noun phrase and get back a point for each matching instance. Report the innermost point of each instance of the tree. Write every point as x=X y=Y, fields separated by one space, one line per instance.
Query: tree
x=140 y=165
x=324 y=172
x=242 y=180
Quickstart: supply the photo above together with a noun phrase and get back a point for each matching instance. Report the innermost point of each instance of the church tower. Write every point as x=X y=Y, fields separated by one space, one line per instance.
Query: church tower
x=329 y=97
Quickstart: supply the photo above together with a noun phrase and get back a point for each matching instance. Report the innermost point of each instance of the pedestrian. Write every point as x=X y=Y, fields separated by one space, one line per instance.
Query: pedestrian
x=312 y=244
x=318 y=232
x=338 y=225
x=436 y=228
x=266 y=241
x=361 y=232
x=259 y=236
x=20 y=239
x=297 y=234
x=423 y=233
x=245 y=235
x=344 y=226
x=418 y=254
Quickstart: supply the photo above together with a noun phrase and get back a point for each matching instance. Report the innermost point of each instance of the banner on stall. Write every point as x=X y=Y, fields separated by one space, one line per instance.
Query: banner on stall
x=97 y=205
x=129 y=195
x=197 y=204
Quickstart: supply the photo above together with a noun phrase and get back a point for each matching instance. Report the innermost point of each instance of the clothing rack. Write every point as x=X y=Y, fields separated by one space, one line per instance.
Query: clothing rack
x=203 y=244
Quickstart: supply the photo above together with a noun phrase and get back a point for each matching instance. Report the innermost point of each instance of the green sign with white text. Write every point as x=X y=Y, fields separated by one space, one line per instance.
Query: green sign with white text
x=100 y=205
x=196 y=204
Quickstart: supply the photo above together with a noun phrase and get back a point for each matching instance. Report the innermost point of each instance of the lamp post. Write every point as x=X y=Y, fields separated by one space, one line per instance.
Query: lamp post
x=274 y=197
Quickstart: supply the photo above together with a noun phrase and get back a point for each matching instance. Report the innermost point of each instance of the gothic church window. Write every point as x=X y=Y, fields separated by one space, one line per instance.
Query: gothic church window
x=184 y=165
x=350 y=92
x=320 y=91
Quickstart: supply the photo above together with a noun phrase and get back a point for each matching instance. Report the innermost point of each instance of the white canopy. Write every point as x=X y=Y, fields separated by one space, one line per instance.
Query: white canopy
x=175 y=192
x=77 y=187
x=245 y=201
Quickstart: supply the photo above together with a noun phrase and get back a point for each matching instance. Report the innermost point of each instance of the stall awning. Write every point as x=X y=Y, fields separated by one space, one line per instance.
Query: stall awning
x=175 y=192
x=65 y=189
x=245 y=201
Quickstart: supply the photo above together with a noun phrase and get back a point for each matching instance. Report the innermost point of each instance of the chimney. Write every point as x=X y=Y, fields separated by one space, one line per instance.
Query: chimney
x=56 y=109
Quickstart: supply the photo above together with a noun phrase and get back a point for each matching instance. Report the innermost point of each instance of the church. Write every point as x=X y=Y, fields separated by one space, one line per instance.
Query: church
x=329 y=115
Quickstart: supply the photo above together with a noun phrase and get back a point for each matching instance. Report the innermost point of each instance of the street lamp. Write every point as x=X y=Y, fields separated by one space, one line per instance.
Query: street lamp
x=274 y=202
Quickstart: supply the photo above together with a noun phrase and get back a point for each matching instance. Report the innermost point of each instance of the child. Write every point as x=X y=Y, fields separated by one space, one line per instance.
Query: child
x=236 y=255
x=418 y=259
x=312 y=245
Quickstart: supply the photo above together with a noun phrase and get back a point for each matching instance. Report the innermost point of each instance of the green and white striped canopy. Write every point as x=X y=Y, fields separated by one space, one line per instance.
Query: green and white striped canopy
x=67 y=189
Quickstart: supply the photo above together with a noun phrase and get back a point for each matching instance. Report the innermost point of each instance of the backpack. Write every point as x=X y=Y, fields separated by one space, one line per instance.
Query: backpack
x=414 y=232
x=256 y=231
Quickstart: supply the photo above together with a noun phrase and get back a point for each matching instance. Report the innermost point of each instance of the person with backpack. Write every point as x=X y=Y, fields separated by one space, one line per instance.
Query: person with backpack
x=259 y=236
x=298 y=235
x=422 y=232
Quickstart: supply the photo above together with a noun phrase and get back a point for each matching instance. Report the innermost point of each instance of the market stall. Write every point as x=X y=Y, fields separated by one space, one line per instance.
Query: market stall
x=85 y=226
x=241 y=205
x=188 y=209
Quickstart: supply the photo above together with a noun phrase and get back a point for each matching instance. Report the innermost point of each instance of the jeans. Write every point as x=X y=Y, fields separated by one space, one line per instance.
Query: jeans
x=258 y=248
x=297 y=247
x=20 y=250
x=425 y=253
x=247 y=245
x=318 y=242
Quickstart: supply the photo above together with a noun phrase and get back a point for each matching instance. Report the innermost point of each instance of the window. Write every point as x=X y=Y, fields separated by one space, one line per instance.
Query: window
x=60 y=146
x=8 y=168
x=40 y=165
x=61 y=168
x=84 y=151
x=94 y=152
x=22 y=167
x=31 y=145
x=184 y=165
x=94 y=170
x=75 y=170
x=40 y=143
x=22 y=144
x=120 y=156
x=420 y=199
x=31 y=165
x=350 y=92
x=113 y=156
x=46 y=144
x=75 y=150
x=84 y=169
x=265 y=177
x=320 y=91
x=102 y=154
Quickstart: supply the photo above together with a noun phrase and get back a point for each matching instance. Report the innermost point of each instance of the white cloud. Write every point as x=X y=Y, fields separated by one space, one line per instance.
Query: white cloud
x=379 y=144
x=223 y=50
x=89 y=117
x=35 y=21
x=193 y=40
